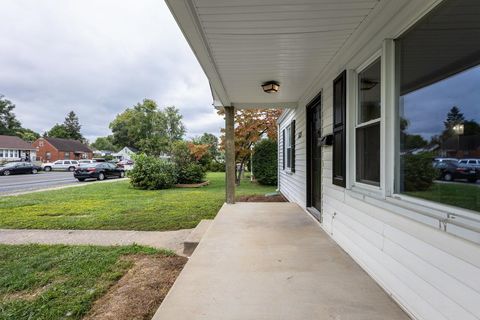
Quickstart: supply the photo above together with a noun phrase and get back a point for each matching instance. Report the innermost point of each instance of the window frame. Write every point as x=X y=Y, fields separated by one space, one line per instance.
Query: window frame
x=288 y=147
x=354 y=116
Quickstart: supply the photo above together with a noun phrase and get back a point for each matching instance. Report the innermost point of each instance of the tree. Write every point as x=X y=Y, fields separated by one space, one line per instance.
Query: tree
x=73 y=127
x=251 y=126
x=147 y=128
x=57 y=131
x=174 y=126
x=104 y=143
x=212 y=141
x=28 y=135
x=9 y=125
x=69 y=129
x=454 y=117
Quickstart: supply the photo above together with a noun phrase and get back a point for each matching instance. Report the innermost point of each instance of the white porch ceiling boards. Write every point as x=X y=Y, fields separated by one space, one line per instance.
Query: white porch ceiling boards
x=243 y=43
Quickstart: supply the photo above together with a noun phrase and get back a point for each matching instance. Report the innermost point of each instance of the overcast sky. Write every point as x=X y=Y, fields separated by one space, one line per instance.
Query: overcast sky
x=427 y=108
x=98 y=57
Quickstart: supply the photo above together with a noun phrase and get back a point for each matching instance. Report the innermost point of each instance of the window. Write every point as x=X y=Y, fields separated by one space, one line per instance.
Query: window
x=288 y=146
x=48 y=155
x=367 y=129
x=66 y=155
x=339 y=134
x=439 y=113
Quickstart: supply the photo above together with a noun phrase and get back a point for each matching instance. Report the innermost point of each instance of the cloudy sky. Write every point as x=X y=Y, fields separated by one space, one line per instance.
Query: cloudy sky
x=98 y=57
x=427 y=108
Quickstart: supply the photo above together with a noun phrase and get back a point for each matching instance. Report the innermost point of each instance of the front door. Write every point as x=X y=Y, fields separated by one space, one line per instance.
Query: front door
x=314 y=154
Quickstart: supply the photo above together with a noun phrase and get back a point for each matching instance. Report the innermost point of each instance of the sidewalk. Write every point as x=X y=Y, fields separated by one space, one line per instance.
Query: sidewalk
x=172 y=240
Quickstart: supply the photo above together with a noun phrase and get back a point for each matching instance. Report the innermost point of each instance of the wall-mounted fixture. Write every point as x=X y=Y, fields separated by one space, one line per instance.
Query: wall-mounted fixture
x=326 y=140
x=271 y=87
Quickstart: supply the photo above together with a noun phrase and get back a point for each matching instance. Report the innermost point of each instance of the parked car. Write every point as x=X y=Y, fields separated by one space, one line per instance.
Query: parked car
x=63 y=165
x=18 y=168
x=474 y=163
x=437 y=161
x=450 y=171
x=99 y=171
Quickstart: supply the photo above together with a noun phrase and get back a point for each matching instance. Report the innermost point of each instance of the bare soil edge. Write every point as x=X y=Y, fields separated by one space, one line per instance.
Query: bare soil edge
x=139 y=293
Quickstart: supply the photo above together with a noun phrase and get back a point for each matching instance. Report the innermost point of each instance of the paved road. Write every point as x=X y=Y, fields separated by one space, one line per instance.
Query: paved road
x=28 y=182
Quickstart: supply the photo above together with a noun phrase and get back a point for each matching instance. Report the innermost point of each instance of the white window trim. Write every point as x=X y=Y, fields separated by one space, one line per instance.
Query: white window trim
x=390 y=139
x=352 y=120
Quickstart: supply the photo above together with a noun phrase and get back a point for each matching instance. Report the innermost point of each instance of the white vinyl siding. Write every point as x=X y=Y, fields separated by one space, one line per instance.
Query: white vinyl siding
x=292 y=184
x=432 y=274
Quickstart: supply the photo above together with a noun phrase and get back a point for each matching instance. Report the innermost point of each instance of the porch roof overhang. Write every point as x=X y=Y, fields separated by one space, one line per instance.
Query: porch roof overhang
x=241 y=45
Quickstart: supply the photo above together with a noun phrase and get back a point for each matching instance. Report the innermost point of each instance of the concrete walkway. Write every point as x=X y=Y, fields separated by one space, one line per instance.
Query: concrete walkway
x=272 y=261
x=158 y=239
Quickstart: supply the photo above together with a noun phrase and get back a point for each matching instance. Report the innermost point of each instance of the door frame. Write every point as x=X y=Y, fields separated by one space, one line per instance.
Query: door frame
x=317 y=101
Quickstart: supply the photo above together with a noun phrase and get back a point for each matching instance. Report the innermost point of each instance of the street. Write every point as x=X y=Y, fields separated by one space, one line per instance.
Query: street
x=28 y=182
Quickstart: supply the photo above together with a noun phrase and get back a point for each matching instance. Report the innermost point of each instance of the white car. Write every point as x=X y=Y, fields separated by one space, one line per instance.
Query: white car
x=472 y=163
x=63 y=165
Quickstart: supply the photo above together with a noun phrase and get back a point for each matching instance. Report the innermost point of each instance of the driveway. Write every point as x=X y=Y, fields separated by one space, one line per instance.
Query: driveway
x=29 y=182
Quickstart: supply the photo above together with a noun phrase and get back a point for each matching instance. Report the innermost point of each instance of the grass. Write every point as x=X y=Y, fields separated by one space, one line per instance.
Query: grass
x=118 y=206
x=59 y=282
x=455 y=194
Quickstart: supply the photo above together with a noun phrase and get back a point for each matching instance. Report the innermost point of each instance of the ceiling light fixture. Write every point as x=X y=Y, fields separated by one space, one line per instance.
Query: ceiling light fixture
x=271 y=87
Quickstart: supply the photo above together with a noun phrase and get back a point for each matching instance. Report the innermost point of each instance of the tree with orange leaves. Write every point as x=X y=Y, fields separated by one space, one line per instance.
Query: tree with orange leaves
x=251 y=125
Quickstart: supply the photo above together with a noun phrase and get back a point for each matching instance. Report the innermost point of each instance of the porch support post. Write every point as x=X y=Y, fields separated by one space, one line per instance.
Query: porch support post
x=230 y=154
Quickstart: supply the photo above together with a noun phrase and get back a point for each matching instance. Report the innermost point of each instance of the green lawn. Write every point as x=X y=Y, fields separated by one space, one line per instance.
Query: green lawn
x=59 y=282
x=456 y=194
x=119 y=206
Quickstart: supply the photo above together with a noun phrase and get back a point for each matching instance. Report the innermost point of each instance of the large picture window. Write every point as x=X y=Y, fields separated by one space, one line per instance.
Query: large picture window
x=368 y=125
x=439 y=107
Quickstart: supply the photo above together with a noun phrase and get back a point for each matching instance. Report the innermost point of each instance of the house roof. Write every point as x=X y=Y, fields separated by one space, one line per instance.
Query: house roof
x=13 y=142
x=68 y=145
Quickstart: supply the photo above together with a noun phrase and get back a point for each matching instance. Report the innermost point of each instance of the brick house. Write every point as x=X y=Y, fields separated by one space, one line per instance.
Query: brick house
x=53 y=149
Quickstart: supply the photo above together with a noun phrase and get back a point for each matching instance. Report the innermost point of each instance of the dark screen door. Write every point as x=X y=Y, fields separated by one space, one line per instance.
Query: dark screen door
x=315 y=156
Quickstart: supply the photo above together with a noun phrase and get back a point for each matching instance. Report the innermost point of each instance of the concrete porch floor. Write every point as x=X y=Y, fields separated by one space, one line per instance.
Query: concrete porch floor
x=273 y=261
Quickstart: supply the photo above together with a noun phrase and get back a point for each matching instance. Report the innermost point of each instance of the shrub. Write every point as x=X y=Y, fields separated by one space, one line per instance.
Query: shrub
x=151 y=173
x=265 y=162
x=419 y=172
x=215 y=166
x=190 y=173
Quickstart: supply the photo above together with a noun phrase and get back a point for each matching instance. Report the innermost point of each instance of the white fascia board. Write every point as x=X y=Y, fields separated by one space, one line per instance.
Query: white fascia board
x=186 y=17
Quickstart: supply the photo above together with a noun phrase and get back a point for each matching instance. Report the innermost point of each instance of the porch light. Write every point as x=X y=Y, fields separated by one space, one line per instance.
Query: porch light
x=271 y=87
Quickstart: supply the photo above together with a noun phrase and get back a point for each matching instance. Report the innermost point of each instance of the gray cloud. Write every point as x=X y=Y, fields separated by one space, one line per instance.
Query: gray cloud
x=96 y=58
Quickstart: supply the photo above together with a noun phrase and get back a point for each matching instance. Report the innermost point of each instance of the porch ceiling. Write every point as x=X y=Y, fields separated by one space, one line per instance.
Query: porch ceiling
x=241 y=44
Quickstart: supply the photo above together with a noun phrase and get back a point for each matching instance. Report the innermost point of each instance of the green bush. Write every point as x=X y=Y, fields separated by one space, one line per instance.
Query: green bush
x=151 y=173
x=215 y=166
x=190 y=173
x=418 y=171
x=265 y=162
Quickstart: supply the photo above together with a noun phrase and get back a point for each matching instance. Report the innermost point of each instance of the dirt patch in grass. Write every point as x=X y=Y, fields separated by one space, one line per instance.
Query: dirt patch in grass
x=258 y=198
x=139 y=293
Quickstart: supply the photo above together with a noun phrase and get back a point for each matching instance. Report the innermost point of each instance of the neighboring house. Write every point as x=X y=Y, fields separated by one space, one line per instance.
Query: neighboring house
x=102 y=153
x=13 y=148
x=53 y=149
x=126 y=153
x=347 y=73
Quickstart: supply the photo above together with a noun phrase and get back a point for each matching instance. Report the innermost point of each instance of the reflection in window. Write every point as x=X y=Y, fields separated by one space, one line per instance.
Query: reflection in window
x=368 y=125
x=440 y=106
